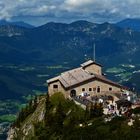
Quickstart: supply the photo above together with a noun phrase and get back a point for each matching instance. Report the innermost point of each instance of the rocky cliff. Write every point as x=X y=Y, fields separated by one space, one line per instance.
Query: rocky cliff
x=26 y=129
x=45 y=118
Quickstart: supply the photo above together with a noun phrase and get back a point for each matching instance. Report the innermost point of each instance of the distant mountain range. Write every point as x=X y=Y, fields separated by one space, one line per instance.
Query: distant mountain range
x=31 y=55
x=130 y=23
x=57 y=42
x=61 y=45
x=19 y=23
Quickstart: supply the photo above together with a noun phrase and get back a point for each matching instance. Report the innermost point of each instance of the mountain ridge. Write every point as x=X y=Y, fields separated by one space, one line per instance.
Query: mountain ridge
x=57 y=44
x=17 y=23
x=133 y=24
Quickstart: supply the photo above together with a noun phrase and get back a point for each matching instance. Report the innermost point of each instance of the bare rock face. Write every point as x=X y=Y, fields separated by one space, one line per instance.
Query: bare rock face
x=26 y=130
x=11 y=134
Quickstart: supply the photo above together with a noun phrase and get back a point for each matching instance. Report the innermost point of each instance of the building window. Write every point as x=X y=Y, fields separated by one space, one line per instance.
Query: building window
x=55 y=86
x=90 y=89
x=98 y=90
x=110 y=88
x=83 y=89
x=73 y=93
x=94 y=89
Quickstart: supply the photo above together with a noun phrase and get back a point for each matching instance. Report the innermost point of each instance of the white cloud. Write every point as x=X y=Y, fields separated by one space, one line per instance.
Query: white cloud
x=68 y=10
x=105 y=10
x=78 y=3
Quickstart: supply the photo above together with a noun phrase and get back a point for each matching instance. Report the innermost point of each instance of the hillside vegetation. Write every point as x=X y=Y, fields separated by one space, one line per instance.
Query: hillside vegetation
x=57 y=118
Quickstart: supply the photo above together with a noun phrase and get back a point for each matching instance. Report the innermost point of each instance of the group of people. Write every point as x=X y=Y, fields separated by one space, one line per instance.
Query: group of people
x=110 y=106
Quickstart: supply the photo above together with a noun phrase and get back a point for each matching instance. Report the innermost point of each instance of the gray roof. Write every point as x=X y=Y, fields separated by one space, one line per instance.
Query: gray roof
x=89 y=62
x=53 y=79
x=79 y=75
x=104 y=79
x=74 y=77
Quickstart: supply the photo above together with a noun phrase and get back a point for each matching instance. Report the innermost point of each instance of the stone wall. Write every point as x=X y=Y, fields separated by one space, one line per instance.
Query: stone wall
x=94 y=69
x=52 y=90
x=93 y=86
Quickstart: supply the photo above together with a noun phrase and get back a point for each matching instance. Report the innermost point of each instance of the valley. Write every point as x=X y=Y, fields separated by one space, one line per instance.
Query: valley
x=21 y=83
x=33 y=83
x=35 y=77
x=30 y=56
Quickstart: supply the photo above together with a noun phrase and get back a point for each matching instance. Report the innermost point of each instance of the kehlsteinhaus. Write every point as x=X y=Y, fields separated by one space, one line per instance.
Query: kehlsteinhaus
x=87 y=78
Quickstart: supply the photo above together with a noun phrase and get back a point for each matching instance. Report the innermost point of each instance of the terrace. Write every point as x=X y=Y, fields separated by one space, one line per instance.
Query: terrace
x=114 y=103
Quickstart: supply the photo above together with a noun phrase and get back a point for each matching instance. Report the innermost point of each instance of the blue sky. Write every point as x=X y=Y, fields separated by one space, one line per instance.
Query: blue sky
x=38 y=12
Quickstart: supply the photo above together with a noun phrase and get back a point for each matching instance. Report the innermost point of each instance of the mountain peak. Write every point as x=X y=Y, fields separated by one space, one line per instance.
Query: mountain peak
x=82 y=23
x=53 y=25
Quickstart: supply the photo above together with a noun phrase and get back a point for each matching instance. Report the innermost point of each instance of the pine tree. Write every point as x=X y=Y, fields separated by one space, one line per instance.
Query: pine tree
x=35 y=103
x=59 y=118
x=87 y=113
x=48 y=116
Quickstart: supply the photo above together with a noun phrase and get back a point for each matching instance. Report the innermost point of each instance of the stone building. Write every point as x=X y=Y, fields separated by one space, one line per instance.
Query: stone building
x=87 y=78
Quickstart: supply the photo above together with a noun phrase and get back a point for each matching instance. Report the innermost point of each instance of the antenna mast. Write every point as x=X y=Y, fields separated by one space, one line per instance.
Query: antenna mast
x=94 y=55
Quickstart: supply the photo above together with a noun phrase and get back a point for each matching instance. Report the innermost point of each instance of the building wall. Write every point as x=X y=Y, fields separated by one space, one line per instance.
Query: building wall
x=94 y=85
x=104 y=87
x=94 y=69
x=52 y=90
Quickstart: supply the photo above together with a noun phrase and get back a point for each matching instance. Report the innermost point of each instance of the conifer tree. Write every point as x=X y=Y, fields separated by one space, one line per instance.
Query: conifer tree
x=48 y=116
x=59 y=118
x=87 y=113
x=35 y=103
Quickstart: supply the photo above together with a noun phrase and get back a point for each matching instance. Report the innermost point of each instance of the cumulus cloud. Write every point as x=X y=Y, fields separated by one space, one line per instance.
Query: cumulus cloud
x=104 y=10
x=77 y=3
x=9 y=9
x=69 y=10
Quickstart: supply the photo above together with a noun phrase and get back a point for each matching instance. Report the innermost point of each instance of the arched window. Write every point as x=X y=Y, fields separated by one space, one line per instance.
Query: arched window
x=73 y=93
